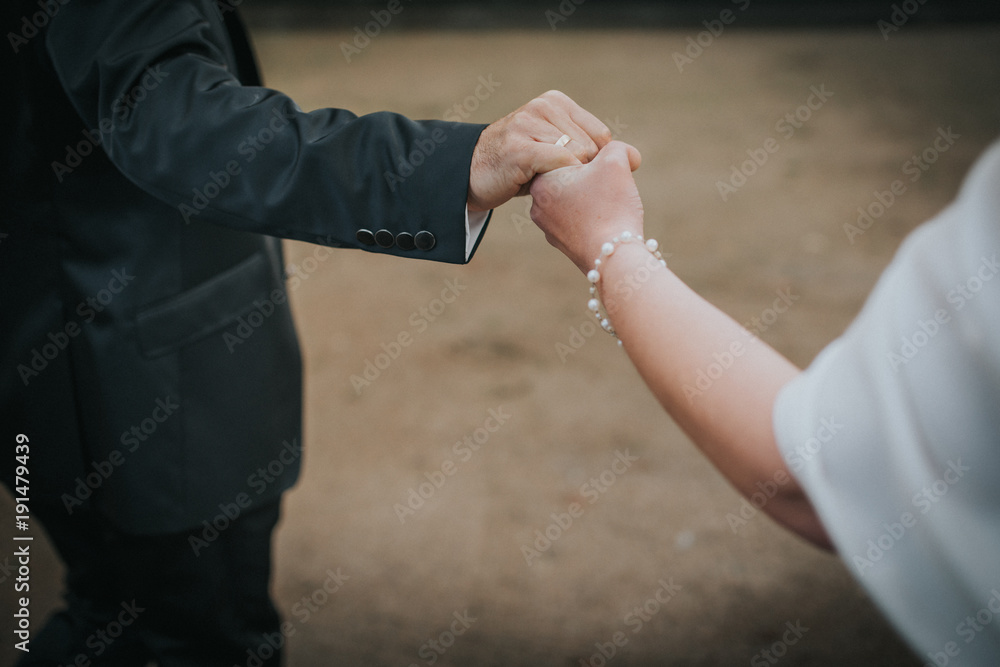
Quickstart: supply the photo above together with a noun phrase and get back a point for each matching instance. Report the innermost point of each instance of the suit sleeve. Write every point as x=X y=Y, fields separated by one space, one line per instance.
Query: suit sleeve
x=155 y=80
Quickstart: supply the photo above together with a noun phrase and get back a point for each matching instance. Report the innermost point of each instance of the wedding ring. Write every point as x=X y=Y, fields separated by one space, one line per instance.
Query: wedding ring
x=563 y=140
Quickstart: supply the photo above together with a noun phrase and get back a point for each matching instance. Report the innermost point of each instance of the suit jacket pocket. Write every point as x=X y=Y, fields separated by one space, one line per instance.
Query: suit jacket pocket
x=202 y=310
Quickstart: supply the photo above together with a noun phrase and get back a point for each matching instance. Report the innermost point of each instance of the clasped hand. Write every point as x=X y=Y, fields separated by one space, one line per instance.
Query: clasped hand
x=583 y=191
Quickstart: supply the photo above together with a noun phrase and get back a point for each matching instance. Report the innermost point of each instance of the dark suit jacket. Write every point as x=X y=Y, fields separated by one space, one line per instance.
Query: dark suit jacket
x=147 y=343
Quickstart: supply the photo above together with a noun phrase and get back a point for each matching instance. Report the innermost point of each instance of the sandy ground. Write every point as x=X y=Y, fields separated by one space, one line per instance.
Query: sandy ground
x=500 y=348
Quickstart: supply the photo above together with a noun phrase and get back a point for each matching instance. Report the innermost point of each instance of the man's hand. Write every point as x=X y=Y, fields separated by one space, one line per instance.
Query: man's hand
x=520 y=145
x=581 y=207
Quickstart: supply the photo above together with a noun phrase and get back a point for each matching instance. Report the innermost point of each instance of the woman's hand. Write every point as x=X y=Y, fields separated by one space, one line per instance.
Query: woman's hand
x=581 y=207
x=671 y=333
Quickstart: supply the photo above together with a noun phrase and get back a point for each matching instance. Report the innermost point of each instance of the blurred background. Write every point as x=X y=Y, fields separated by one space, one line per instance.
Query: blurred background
x=430 y=526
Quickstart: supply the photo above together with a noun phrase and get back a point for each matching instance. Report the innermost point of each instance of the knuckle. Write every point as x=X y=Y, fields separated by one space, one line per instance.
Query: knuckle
x=537 y=106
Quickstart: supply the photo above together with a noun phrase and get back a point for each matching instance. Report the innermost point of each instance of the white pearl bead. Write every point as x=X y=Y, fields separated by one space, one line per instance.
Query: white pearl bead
x=652 y=245
x=626 y=235
x=607 y=249
x=593 y=276
x=593 y=304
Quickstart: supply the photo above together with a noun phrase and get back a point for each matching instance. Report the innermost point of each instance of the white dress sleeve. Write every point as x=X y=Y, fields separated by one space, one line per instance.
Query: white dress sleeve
x=894 y=432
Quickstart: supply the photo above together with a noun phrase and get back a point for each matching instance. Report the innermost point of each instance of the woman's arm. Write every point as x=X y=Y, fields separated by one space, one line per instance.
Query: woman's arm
x=671 y=333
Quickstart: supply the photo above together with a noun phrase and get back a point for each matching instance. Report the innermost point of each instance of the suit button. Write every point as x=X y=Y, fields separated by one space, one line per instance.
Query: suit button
x=405 y=241
x=384 y=238
x=365 y=237
x=424 y=240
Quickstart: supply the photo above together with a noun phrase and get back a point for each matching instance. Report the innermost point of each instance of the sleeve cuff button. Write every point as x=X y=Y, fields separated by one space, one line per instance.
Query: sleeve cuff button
x=405 y=241
x=424 y=240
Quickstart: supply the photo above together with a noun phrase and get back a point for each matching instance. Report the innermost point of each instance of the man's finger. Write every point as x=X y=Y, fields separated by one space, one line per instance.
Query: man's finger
x=596 y=130
x=589 y=124
x=548 y=157
x=580 y=145
x=547 y=124
x=561 y=125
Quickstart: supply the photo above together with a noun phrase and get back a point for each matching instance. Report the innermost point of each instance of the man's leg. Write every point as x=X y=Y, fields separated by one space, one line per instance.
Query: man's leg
x=85 y=631
x=198 y=605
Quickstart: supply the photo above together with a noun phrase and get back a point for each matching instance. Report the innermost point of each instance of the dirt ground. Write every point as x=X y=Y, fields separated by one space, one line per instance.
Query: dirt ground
x=513 y=342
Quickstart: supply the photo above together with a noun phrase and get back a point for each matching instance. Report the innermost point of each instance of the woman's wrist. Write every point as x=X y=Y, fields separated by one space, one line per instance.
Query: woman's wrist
x=596 y=240
x=602 y=287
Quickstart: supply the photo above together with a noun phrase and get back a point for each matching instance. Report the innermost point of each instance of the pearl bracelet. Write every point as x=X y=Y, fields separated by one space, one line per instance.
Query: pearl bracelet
x=594 y=275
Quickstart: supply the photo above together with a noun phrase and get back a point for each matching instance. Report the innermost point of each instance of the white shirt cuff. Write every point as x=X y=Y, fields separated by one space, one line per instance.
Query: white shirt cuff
x=475 y=223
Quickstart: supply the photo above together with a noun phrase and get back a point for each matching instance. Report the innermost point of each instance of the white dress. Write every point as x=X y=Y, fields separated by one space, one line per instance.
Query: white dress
x=907 y=480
